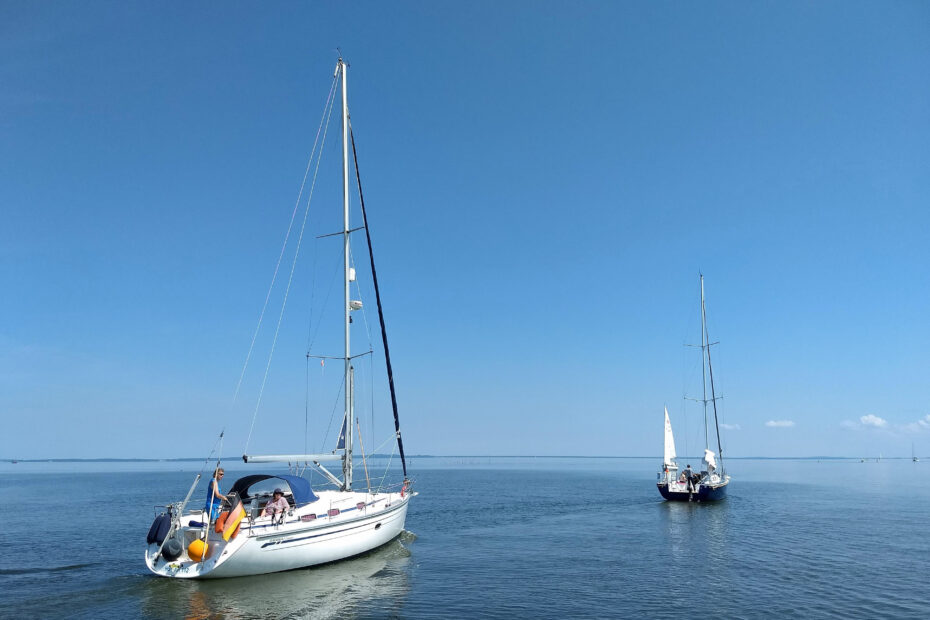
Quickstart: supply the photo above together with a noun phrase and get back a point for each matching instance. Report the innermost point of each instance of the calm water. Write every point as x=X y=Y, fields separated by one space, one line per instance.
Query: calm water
x=504 y=538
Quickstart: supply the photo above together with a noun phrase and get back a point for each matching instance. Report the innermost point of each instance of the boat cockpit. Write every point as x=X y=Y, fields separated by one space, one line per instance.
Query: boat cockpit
x=256 y=490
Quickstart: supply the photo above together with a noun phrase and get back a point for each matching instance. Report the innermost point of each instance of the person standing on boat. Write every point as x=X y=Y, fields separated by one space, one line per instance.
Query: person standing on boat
x=689 y=478
x=215 y=499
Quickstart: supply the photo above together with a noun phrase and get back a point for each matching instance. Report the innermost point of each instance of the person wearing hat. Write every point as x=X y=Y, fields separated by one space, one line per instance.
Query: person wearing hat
x=277 y=505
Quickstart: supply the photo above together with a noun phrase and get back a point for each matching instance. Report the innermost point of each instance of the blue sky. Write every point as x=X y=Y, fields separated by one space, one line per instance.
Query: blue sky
x=545 y=180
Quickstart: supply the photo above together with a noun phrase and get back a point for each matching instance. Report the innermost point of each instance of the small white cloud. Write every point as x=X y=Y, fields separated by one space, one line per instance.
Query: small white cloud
x=730 y=427
x=919 y=426
x=873 y=420
x=779 y=423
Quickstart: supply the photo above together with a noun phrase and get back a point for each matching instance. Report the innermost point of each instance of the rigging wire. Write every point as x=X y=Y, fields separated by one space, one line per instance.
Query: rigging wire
x=358 y=289
x=290 y=278
x=313 y=268
x=361 y=385
x=710 y=371
x=364 y=458
x=307 y=407
x=309 y=327
x=336 y=270
x=387 y=467
x=329 y=99
x=333 y=414
x=689 y=371
x=371 y=393
x=218 y=442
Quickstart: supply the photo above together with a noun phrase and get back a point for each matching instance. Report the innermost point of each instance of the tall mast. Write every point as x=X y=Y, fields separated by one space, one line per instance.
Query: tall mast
x=710 y=371
x=704 y=347
x=347 y=462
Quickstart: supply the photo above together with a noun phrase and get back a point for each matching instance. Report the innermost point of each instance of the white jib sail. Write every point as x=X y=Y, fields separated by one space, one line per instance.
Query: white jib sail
x=669 y=441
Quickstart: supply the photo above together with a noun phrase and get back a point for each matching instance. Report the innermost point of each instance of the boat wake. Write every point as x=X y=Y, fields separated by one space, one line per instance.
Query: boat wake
x=407 y=537
x=44 y=569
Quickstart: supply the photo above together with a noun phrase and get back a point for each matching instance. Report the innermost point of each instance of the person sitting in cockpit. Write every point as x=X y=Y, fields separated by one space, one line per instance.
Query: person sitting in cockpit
x=277 y=505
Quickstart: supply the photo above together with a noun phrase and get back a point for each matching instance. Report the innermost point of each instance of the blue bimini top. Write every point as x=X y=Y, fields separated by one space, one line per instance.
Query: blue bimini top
x=300 y=487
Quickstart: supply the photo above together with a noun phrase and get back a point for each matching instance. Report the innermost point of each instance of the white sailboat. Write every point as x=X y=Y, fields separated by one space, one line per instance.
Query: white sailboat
x=317 y=527
x=711 y=482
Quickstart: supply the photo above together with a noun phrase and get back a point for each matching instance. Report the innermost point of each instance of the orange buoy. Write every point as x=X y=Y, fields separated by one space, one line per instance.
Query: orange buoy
x=198 y=550
x=220 y=522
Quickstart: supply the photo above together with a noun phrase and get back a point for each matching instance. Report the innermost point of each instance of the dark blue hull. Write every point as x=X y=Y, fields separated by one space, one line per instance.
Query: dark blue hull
x=704 y=493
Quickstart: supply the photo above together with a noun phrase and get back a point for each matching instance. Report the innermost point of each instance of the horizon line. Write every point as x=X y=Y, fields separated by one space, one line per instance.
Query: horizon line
x=439 y=456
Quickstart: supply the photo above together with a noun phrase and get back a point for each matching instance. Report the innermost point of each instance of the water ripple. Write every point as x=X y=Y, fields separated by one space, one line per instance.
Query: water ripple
x=43 y=569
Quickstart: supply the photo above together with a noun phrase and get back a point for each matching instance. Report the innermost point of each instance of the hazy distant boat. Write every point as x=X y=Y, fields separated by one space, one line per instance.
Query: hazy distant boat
x=711 y=482
x=914 y=456
x=317 y=527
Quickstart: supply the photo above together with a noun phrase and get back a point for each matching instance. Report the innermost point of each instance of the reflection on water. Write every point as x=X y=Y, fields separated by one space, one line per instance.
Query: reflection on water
x=377 y=582
x=692 y=527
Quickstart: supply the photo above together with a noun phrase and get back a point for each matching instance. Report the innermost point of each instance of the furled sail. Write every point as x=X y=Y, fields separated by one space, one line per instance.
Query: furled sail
x=669 y=442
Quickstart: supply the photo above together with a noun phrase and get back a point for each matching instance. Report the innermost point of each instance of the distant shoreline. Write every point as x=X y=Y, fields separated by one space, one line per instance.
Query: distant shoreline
x=462 y=456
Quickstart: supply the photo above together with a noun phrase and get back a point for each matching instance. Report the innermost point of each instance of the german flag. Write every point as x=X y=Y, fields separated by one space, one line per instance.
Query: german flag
x=236 y=513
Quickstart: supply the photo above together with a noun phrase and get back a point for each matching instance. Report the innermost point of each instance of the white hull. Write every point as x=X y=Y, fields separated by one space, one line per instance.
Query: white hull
x=264 y=547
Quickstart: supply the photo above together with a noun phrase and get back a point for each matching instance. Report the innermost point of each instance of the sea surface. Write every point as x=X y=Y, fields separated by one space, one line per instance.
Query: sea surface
x=502 y=538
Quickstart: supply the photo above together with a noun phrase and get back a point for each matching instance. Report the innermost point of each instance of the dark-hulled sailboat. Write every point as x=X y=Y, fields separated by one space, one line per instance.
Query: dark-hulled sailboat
x=711 y=482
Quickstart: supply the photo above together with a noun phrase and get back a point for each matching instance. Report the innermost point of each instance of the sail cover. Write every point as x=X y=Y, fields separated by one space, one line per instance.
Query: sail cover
x=710 y=460
x=669 y=442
